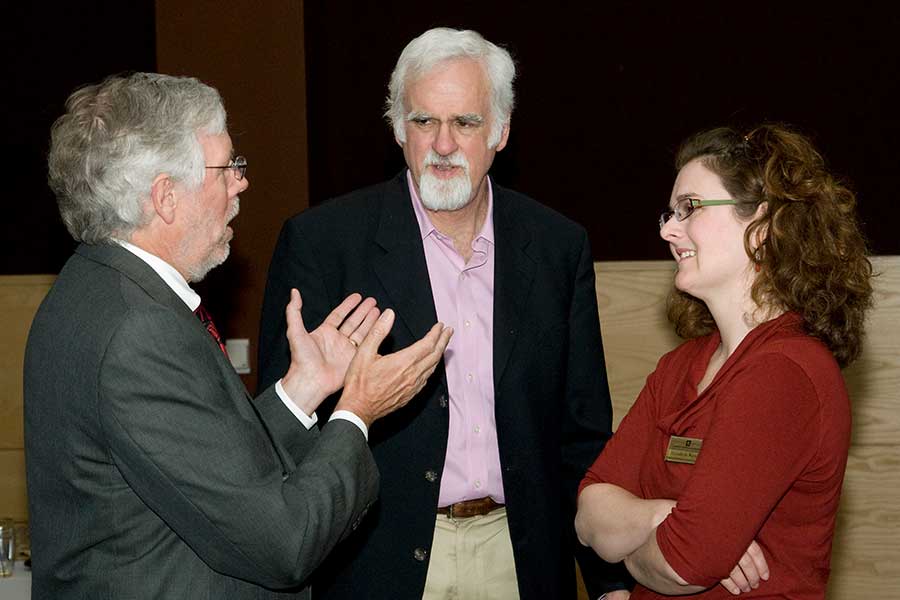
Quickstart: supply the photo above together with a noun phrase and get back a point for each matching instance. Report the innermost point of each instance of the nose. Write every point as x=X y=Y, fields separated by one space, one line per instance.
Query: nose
x=444 y=141
x=671 y=229
x=240 y=185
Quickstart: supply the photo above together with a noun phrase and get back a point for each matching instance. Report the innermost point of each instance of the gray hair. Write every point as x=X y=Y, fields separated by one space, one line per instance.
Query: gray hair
x=442 y=44
x=116 y=137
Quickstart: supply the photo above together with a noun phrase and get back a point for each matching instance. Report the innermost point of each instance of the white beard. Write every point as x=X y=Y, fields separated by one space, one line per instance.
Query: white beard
x=218 y=253
x=445 y=194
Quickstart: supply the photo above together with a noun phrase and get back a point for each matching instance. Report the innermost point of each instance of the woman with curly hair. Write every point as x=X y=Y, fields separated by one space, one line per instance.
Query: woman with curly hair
x=724 y=477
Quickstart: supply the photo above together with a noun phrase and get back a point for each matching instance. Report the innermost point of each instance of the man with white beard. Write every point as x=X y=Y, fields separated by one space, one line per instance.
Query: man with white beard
x=480 y=470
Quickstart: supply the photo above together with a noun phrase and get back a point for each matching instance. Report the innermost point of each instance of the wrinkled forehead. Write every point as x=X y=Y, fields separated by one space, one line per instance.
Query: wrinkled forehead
x=458 y=81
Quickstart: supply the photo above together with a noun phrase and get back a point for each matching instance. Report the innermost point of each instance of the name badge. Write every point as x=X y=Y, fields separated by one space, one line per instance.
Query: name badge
x=683 y=449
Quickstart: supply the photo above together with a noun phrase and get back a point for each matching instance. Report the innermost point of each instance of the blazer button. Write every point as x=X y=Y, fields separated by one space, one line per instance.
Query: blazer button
x=430 y=476
x=420 y=554
x=443 y=400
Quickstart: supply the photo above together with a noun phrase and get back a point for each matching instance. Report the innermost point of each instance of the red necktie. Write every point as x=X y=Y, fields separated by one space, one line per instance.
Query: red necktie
x=207 y=321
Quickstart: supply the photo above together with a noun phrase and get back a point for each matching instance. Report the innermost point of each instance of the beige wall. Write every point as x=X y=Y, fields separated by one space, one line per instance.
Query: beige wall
x=19 y=298
x=635 y=333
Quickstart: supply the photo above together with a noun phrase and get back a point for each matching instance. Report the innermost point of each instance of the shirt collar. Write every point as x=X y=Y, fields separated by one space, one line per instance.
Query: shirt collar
x=426 y=228
x=167 y=272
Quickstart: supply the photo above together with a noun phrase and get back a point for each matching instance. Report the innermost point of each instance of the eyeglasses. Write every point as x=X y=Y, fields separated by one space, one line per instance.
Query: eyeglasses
x=238 y=166
x=685 y=208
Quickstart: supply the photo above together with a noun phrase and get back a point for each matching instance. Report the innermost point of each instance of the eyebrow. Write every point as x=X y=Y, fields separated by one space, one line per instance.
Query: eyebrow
x=473 y=118
x=470 y=118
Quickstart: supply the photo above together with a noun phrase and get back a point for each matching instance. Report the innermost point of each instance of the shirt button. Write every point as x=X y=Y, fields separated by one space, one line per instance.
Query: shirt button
x=420 y=554
x=477 y=429
x=469 y=377
x=430 y=476
x=477 y=484
x=467 y=323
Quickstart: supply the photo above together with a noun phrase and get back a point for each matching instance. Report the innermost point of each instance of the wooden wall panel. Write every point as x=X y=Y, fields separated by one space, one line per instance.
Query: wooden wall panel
x=631 y=298
x=20 y=296
x=253 y=53
x=13 y=498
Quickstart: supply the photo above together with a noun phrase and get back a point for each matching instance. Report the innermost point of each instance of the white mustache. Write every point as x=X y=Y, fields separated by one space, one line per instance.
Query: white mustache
x=235 y=209
x=454 y=160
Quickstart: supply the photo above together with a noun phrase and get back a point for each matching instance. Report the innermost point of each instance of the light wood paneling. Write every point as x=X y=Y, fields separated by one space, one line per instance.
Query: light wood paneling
x=631 y=298
x=20 y=296
x=13 y=499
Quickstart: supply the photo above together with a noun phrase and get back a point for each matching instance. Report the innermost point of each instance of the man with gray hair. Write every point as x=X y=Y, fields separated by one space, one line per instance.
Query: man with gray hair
x=480 y=471
x=151 y=471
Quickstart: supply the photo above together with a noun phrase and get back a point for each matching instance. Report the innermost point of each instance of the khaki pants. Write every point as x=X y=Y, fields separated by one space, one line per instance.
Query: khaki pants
x=472 y=559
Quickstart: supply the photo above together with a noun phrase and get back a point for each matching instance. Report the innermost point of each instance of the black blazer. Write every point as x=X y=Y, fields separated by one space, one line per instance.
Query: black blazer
x=552 y=401
x=151 y=471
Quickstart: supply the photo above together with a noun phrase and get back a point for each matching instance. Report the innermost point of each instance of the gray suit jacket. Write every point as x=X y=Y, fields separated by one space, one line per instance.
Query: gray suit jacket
x=151 y=472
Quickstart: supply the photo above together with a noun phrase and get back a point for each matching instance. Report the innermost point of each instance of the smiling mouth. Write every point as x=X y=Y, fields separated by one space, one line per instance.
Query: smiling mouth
x=683 y=254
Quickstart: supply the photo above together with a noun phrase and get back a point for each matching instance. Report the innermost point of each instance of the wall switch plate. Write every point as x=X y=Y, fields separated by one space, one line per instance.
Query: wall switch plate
x=239 y=353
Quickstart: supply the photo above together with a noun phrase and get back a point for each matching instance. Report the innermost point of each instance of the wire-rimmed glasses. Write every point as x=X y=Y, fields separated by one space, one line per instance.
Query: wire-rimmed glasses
x=238 y=166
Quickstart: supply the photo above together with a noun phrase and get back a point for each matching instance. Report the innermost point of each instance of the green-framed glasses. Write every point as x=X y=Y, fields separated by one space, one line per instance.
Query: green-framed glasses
x=685 y=207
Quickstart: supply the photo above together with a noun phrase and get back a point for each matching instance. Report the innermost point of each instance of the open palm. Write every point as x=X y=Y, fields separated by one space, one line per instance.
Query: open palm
x=320 y=358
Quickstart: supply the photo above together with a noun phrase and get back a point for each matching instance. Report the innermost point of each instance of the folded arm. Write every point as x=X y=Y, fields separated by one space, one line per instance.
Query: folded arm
x=615 y=522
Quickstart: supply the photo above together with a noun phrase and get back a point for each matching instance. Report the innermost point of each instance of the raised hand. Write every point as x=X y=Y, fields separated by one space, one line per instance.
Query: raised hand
x=319 y=359
x=378 y=385
x=746 y=575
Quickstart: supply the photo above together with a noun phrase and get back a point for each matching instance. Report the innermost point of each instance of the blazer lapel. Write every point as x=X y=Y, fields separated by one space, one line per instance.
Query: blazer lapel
x=513 y=278
x=399 y=263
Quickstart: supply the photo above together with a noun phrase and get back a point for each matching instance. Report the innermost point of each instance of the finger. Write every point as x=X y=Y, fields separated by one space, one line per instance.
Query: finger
x=356 y=317
x=731 y=586
x=739 y=577
x=427 y=347
x=362 y=330
x=750 y=573
x=340 y=312
x=759 y=560
x=376 y=335
x=292 y=313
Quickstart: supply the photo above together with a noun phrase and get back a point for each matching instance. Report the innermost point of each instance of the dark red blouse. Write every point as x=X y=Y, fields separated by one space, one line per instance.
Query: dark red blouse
x=775 y=425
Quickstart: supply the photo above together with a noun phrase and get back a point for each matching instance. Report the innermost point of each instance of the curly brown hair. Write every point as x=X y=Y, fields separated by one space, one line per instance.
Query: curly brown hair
x=812 y=258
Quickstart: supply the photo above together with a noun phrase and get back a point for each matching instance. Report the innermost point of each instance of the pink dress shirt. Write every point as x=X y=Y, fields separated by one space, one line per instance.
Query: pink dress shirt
x=464 y=300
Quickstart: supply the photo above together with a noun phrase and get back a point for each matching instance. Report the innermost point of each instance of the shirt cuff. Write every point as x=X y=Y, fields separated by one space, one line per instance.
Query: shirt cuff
x=304 y=419
x=349 y=416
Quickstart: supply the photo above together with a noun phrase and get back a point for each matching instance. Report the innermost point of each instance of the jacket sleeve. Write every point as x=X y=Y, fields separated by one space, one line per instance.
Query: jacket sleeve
x=199 y=455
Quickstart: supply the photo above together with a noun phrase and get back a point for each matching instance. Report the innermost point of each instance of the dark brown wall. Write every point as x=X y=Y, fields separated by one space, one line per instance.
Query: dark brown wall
x=253 y=53
x=607 y=90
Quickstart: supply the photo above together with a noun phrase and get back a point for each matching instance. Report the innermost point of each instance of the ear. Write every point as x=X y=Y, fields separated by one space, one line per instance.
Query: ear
x=163 y=197
x=761 y=233
x=504 y=136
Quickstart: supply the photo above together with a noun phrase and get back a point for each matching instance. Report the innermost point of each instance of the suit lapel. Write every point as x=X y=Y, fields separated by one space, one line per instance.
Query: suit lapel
x=513 y=278
x=399 y=262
